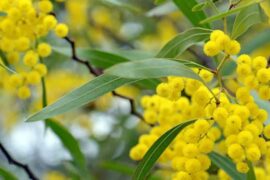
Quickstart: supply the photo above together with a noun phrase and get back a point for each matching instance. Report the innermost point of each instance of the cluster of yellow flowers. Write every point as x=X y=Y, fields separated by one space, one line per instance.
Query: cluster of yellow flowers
x=21 y=28
x=232 y=126
x=254 y=74
x=219 y=41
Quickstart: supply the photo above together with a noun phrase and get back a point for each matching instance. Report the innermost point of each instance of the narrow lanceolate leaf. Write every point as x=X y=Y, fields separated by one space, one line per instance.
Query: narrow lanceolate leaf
x=6 y=68
x=97 y=58
x=134 y=54
x=194 y=17
x=156 y=150
x=183 y=41
x=245 y=19
x=192 y=63
x=152 y=68
x=68 y=141
x=103 y=59
x=5 y=174
x=2 y=13
x=81 y=96
x=230 y=12
x=159 y=1
x=199 y=7
x=261 y=39
x=117 y=167
x=227 y=165
x=251 y=174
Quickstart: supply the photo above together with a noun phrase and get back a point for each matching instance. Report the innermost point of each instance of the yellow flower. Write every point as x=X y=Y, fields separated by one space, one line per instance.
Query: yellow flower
x=242 y=167
x=33 y=78
x=61 y=30
x=233 y=47
x=44 y=49
x=211 y=48
x=45 y=6
x=138 y=151
x=24 y=92
x=31 y=58
x=193 y=165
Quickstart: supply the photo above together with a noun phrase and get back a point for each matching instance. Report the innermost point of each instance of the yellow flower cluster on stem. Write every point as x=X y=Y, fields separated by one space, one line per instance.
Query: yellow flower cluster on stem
x=233 y=127
x=21 y=30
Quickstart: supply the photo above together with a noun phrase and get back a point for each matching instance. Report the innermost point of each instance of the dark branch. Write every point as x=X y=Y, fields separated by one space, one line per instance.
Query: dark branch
x=132 y=104
x=11 y=160
x=233 y=5
x=77 y=59
x=95 y=72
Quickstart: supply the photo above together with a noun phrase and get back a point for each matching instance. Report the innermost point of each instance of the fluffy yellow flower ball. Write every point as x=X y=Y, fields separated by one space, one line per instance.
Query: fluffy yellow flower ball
x=44 y=50
x=211 y=48
x=30 y=59
x=61 y=30
x=138 y=151
x=24 y=92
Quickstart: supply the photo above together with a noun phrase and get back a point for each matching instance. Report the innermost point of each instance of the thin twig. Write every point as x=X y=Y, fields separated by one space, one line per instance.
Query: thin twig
x=132 y=104
x=11 y=160
x=95 y=72
x=77 y=59
x=233 y=5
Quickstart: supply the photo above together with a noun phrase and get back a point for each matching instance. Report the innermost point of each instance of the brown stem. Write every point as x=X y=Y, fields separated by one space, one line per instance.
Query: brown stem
x=132 y=104
x=77 y=59
x=234 y=5
x=11 y=160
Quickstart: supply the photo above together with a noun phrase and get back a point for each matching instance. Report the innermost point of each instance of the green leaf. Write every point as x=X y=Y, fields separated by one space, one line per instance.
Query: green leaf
x=5 y=174
x=97 y=58
x=103 y=59
x=230 y=12
x=191 y=63
x=228 y=68
x=261 y=39
x=6 y=68
x=199 y=7
x=251 y=173
x=245 y=19
x=194 y=17
x=156 y=150
x=152 y=68
x=68 y=141
x=227 y=165
x=160 y=1
x=183 y=41
x=150 y=84
x=135 y=54
x=81 y=96
x=3 y=13
x=125 y=169
x=125 y=73
x=117 y=167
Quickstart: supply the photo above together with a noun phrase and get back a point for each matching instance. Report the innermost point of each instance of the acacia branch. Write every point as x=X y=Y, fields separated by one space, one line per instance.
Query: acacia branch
x=11 y=160
x=77 y=59
x=132 y=104
x=95 y=72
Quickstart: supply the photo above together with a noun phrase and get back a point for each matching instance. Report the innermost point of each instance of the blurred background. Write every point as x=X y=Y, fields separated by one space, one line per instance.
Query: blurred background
x=104 y=129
